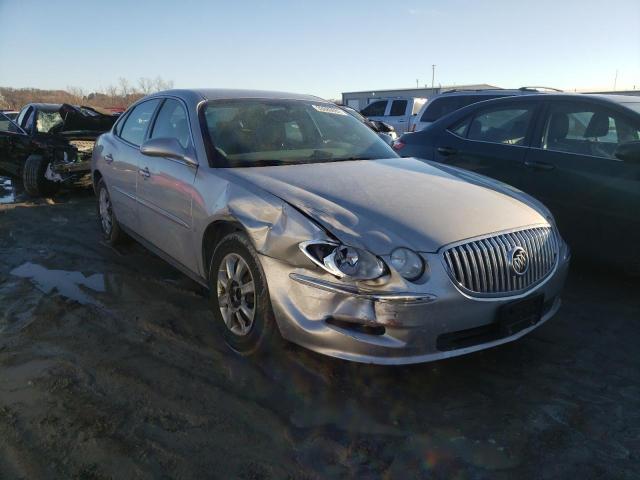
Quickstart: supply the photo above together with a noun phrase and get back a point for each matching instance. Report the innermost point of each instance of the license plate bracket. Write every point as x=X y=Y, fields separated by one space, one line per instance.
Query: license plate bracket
x=516 y=316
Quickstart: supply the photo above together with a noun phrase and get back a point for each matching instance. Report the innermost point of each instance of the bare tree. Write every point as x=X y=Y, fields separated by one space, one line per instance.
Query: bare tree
x=76 y=94
x=159 y=84
x=146 y=85
x=125 y=87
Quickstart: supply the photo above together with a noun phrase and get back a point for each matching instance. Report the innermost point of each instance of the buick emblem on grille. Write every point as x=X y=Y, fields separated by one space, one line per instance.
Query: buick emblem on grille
x=519 y=260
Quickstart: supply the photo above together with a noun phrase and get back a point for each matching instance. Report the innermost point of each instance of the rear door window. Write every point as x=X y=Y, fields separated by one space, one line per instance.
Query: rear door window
x=375 y=109
x=586 y=129
x=135 y=125
x=398 y=108
x=507 y=125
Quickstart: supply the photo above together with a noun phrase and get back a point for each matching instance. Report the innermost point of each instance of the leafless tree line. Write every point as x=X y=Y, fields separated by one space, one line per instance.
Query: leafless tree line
x=121 y=95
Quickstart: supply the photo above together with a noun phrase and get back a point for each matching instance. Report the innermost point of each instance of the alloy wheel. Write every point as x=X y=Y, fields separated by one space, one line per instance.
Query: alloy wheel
x=236 y=294
x=106 y=215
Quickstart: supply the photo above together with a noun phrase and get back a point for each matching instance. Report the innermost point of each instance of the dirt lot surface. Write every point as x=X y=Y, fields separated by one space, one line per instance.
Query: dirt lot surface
x=110 y=369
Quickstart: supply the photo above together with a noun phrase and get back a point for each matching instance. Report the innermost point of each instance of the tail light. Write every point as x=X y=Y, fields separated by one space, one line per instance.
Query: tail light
x=398 y=145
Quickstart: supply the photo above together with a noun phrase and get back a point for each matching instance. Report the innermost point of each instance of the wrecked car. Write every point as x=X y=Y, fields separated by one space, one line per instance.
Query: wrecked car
x=50 y=144
x=304 y=224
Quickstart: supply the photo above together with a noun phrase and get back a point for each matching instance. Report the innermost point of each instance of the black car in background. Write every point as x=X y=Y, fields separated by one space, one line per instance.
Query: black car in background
x=50 y=144
x=578 y=154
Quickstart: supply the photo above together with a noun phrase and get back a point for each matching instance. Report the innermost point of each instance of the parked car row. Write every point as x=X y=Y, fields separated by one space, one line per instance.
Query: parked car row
x=303 y=222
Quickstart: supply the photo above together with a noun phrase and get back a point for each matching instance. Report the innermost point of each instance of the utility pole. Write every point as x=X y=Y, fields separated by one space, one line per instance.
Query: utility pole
x=433 y=75
x=615 y=81
x=417 y=83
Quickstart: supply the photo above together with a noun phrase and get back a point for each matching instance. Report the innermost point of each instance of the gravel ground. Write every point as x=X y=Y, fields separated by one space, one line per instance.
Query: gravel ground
x=110 y=369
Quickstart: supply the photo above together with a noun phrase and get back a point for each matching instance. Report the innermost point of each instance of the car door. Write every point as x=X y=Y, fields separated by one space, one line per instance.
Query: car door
x=376 y=110
x=398 y=117
x=490 y=140
x=120 y=168
x=14 y=146
x=165 y=188
x=594 y=196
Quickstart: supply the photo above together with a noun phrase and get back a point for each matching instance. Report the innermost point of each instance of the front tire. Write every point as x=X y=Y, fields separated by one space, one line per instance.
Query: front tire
x=239 y=297
x=111 y=231
x=35 y=182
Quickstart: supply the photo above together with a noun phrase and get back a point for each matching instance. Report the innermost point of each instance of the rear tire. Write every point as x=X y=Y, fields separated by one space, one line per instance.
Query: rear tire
x=109 y=226
x=239 y=297
x=33 y=177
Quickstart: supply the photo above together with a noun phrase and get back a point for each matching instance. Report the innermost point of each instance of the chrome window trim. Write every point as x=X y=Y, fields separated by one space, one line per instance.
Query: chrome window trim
x=577 y=154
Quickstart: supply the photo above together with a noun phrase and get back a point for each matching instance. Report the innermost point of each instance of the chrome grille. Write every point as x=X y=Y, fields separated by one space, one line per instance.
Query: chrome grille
x=482 y=267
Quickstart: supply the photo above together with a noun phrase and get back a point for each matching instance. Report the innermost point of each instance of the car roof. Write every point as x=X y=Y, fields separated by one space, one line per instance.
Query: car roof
x=198 y=94
x=45 y=106
x=602 y=99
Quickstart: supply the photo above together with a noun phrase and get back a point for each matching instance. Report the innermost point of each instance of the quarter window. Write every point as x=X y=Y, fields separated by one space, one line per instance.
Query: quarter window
x=586 y=130
x=375 y=109
x=501 y=125
x=398 y=108
x=135 y=125
x=172 y=123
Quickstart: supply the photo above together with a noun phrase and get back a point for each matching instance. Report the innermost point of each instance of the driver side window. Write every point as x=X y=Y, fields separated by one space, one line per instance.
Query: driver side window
x=172 y=122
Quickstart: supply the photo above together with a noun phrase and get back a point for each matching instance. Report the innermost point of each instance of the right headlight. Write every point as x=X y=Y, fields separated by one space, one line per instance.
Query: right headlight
x=407 y=263
x=344 y=261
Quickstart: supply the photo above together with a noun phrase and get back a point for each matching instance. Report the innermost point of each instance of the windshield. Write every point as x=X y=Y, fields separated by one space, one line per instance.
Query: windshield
x=253 y=132
x=46 y=120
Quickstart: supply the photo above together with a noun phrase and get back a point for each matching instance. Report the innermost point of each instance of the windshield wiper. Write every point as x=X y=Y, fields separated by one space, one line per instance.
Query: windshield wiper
x=320 y=155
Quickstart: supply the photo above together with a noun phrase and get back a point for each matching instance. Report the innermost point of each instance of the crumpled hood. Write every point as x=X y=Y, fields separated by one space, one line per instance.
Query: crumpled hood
x=384 y=204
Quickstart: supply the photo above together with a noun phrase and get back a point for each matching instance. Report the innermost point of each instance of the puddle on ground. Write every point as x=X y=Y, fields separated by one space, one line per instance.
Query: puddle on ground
x=7 y=190
x=67 y=284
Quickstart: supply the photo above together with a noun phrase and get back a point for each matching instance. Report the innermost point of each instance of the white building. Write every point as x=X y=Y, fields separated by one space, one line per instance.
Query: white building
x=359 y=100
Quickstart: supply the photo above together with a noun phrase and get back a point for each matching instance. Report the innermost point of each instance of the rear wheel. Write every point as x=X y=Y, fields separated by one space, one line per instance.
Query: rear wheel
x=111 y=231
x=239 y=297
x=34 y=177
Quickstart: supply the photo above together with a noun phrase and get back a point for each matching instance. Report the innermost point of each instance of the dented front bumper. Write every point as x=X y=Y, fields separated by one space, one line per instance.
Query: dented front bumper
x=432 y=321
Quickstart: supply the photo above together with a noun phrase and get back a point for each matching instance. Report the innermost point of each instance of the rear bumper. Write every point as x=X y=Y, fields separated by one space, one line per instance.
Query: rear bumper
x=317 y=312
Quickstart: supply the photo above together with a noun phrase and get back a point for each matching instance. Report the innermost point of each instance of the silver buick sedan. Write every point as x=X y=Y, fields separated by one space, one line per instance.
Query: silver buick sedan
x=303 y=224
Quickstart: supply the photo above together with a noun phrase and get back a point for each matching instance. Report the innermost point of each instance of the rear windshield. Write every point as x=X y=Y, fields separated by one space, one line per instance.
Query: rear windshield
x=442 y=106
x=252 y=132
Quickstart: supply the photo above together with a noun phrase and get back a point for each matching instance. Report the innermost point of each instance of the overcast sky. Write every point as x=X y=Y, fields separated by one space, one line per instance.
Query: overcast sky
x=320 y=47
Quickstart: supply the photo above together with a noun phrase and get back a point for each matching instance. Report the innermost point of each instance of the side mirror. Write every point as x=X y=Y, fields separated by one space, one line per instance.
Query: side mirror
x=166 y=147
x=628 y=152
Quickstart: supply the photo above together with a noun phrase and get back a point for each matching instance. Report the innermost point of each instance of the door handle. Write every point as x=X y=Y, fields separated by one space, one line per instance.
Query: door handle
x=144 y=172
x=446 y=151
x=108 y=158
x=539 y=165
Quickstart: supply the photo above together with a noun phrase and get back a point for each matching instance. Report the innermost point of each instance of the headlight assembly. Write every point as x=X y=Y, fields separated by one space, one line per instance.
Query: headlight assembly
x=407 y=263
x=344 y=261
